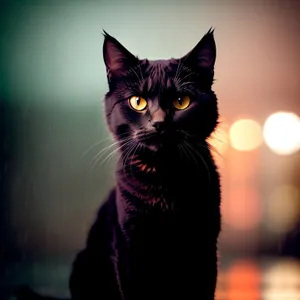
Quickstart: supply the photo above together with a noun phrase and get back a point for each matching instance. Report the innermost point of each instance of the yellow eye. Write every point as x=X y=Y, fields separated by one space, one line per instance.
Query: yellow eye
x=138 y=103
x=182 y=102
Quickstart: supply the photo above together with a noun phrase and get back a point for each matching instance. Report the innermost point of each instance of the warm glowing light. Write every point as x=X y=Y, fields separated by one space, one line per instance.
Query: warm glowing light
x=282 y=133
x=243 y=281
x=283 y=209
x=245 y=135
x=282 y=280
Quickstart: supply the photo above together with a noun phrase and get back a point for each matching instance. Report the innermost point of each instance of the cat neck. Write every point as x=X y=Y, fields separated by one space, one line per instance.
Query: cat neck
x=175 y=191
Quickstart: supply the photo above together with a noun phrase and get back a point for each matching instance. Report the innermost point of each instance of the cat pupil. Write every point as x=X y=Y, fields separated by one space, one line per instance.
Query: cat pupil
x=138 y=101
x=180 y=101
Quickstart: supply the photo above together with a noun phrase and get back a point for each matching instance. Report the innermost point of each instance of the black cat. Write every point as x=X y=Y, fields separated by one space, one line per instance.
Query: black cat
x=156 y=235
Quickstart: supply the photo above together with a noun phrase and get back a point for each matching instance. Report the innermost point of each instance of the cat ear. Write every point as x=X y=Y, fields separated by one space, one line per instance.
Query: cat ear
x=203 y=55
x=117 y=58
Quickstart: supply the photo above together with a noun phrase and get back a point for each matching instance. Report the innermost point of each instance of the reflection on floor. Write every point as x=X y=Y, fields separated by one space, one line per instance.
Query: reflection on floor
x=267 y=279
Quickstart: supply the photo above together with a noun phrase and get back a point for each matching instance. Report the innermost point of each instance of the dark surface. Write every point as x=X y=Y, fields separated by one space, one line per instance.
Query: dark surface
x=239 y=279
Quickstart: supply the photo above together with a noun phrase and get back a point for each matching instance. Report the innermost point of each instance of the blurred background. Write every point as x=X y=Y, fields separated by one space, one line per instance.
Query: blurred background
x=52 y=81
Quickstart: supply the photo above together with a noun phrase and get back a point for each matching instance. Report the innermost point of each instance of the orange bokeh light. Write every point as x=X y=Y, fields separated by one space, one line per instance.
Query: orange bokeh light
x=243 y=281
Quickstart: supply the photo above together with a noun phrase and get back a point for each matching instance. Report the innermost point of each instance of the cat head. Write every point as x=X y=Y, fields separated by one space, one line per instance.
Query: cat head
x=160 y=103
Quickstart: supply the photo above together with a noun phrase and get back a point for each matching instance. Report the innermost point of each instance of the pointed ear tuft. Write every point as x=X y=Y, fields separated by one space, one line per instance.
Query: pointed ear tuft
x=117 y=58
x=203 y=55
x=211 y=31
x=105 y=34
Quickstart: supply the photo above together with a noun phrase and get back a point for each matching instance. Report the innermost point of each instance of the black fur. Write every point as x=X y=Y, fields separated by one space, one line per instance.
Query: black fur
x=156 y=235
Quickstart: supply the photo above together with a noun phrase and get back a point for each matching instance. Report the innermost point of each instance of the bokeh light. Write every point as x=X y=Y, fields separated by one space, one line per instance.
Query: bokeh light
x=245 y=135
x=282 y=280
x=243 y=281
x=247 y=279
x=283 y=209
x=281 y=132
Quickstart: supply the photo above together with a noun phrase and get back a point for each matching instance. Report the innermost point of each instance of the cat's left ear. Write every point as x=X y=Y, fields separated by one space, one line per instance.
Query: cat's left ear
x=203 y=55
x=117 y=58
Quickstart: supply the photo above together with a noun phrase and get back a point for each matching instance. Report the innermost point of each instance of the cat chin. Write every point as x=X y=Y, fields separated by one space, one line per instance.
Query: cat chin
x=157 y=148
x=153 y=148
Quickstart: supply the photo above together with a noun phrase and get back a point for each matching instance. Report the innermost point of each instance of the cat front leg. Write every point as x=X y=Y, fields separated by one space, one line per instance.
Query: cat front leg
x=93 y=277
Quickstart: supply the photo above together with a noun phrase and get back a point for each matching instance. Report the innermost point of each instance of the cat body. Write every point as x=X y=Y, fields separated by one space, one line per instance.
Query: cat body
x=155 y=237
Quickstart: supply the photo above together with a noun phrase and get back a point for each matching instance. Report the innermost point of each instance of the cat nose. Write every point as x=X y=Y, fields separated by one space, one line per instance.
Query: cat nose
x=159 y=126
x=157 y=120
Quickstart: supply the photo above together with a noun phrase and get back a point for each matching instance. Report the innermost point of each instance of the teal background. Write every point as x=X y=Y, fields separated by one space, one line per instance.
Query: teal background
x=52 y=83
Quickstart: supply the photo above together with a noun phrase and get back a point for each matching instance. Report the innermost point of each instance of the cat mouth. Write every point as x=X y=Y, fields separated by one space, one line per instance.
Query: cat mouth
x=144 y=167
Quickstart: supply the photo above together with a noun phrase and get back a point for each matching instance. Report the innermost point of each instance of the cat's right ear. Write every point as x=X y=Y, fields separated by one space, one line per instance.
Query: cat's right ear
x=203 y=55
x=118 y=60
